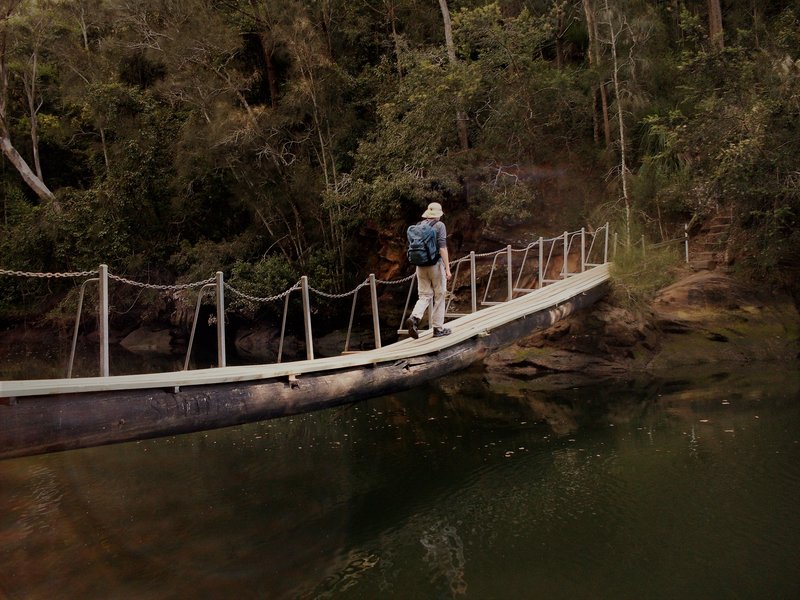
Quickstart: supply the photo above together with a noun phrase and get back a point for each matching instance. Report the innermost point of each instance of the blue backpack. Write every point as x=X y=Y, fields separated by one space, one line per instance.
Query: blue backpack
x=423 y=251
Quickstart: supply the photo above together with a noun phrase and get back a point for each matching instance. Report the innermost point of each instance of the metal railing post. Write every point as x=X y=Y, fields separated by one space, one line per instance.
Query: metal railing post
x=376 y=323
x=307 y=318
x=565 y=268
x=77 y=326
x=283 y=324
x=510 y=273
x=541 y=263
x=194 y=324
x=583 y=249
x=103 y=321
x=686 y=240
x=605 y=253
x=473 y=281
x=221 y=319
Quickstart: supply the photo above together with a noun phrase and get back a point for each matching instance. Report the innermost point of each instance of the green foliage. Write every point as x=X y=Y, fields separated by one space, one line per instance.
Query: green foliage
x=637 y=273
x=259 y=137
x=270 y=276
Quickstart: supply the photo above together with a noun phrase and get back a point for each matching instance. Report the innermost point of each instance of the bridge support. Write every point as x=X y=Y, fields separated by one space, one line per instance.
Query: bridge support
x=102 y=308
x=307 y=317
x=220 y=320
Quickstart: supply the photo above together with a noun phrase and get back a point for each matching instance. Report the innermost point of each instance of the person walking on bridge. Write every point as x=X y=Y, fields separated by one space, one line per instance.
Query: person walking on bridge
x=432 y=274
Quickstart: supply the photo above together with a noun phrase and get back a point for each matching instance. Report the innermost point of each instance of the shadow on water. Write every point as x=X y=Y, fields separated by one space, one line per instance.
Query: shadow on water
x=476 y=486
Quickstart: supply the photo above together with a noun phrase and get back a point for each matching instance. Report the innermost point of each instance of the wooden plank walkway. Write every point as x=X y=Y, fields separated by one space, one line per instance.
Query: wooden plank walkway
x=463 y=328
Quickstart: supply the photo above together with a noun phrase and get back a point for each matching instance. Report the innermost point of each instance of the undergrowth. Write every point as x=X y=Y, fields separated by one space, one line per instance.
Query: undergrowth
x=637 y=274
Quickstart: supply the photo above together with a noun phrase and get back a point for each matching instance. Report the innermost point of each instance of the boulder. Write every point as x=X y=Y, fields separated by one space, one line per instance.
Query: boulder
x=262 y=344
x=150 y=340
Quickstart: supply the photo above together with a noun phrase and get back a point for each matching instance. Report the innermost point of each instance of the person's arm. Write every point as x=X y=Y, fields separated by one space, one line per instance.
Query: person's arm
x=446 y=260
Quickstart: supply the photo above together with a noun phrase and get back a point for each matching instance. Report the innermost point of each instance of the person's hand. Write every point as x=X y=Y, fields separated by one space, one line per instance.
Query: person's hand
x=448 y=274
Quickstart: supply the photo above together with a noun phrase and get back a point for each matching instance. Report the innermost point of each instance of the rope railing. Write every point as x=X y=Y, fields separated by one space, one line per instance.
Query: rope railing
x=567 y=242
x=48 y=275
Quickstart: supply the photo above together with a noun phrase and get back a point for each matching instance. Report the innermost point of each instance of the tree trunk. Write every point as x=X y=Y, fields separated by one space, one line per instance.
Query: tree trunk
x=594 y=62
x=461 y=118
x=715 y=32
x=621 y=122
x=29 y=83
x=268 y=49
x=14 y=157
x=28 y=176
x=395 y=37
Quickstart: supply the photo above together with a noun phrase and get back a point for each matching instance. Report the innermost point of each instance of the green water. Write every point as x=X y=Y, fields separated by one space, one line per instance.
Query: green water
x=474 y=487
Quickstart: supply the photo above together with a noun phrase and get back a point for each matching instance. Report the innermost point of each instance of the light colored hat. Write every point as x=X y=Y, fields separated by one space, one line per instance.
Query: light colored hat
x=434 y=211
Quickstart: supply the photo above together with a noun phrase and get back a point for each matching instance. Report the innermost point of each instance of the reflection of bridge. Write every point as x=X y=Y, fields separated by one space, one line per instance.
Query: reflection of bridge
x=552 y=279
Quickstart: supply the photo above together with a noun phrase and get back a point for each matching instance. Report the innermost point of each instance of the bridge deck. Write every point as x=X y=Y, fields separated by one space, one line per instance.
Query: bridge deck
x=463 y=329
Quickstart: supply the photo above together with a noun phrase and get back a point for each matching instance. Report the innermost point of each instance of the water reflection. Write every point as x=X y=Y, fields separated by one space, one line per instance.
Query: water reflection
x=475 y=487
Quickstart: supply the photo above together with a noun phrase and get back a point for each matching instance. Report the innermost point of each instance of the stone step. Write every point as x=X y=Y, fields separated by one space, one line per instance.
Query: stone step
x=703 y=265
x=710 y=246
x=718 y=228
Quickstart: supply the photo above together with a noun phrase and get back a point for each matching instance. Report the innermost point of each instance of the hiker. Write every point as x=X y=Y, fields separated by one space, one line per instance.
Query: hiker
x=428 y=251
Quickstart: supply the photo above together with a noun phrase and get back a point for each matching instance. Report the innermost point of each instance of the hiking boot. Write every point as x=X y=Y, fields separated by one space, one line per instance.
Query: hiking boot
x=411 y=325
x=441 y=332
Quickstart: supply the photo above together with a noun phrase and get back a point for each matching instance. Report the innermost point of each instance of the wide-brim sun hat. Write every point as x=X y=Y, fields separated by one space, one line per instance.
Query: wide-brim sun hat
x=434 y=211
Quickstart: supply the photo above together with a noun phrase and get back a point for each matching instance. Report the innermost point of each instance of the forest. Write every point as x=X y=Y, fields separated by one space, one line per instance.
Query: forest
x=170 y=139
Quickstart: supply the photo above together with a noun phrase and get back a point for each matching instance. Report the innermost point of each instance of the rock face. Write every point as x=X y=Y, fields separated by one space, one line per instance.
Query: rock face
x=705 y=317
x=149 y=339
x=263 y=343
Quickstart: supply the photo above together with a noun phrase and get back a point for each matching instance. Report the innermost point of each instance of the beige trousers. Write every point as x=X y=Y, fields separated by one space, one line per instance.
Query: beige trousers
x=432 y=285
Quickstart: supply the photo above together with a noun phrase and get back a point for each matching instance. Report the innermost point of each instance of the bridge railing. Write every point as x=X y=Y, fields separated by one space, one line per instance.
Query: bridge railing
x=543 y=261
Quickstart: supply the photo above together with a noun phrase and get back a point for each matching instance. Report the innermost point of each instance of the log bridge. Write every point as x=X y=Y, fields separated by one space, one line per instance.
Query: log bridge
x=48 y=415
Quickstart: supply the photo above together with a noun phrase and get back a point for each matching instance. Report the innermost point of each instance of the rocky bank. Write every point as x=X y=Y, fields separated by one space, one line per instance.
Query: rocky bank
x=703 y=318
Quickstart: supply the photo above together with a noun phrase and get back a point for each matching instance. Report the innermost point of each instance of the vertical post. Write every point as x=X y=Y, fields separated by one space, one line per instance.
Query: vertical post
x=103 y=321
x=510 y=273
x=583 y=249
x=473 y=281
x=565 y=268
x=644 y=248
x=605 y=252
x=541 y=263
x=307 y=318
x=615 y=245
x=686 y=240
x=220 y=319
x=376 y=323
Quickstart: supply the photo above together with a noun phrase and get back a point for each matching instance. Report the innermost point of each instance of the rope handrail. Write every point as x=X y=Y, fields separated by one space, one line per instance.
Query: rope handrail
x=196 y=284
x=48 y=275
x=156 y=286
x=218 y=283
x=399 y=281
x=280 y=296
x=339 y=296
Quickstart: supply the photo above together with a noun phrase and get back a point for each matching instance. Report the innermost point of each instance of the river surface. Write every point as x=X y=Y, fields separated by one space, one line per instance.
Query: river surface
x=477 y=486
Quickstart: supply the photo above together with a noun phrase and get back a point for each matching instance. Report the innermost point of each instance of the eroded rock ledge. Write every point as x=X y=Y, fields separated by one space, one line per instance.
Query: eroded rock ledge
x=703 y=318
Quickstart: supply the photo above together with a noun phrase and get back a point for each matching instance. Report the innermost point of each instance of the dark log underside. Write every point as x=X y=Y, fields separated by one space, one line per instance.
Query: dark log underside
x=40 y=424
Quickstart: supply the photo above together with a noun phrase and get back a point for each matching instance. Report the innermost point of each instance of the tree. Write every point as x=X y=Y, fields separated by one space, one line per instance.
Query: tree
x=32 y=179
x=595 y=62
x=461 y=117
x=613 y=40
x=715 y=32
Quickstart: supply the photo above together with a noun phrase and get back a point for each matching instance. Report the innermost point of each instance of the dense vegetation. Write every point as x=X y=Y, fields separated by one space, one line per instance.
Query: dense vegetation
x=172 y=138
